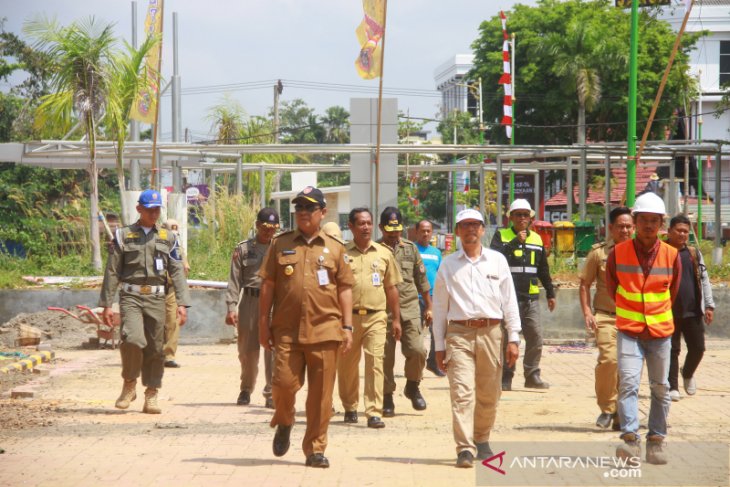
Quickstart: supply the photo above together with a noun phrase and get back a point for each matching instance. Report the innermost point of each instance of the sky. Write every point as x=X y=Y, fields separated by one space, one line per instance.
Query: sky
x=233 y=42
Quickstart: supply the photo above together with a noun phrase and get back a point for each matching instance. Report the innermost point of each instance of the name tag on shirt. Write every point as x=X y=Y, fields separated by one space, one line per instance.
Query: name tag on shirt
x=376 y=279
x=323 y=277
x=159 y=264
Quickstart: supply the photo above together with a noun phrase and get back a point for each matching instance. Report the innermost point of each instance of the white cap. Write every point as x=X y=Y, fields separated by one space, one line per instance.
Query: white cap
x=469 y=214
x=521 y=204
x=649 y=203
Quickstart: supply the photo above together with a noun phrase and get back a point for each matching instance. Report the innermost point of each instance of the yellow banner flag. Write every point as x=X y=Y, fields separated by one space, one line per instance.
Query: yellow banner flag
x=370 y=35
x=144 y=108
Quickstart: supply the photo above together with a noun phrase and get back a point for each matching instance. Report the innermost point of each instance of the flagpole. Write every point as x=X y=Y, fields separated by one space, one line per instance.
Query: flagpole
x=512 y=138
x=154 y=168
x=380 y=111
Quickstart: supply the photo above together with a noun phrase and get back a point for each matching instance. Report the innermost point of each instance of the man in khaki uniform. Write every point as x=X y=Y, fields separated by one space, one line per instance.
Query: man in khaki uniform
x=242 y=299
x=172 y=324
x=414 y=283
x=140 y=259
x=376 y=277
x=306 y=276
x=602 y=319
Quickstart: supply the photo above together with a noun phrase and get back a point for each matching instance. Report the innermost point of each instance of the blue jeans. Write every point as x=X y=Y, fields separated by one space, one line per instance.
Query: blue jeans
x=631 y=355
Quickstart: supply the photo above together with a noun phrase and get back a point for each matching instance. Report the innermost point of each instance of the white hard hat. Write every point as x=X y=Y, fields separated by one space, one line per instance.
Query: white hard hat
x=649 y=203
x=469 y=214
x=521 y=204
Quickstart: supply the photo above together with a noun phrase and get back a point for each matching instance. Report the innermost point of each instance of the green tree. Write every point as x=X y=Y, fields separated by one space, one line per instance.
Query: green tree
x=82 y=58
x=544 y=113
x=228 y=118
x=299 y=124
x=336 y=121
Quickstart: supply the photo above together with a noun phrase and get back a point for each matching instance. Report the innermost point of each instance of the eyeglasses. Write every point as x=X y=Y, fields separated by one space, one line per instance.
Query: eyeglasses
x=310 y=208
x=470 y=224
x=521 y=214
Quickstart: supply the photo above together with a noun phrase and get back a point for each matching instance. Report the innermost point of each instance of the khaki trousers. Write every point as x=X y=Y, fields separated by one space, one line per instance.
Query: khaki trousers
x=411 y=345
x=607 y=366
x=474 y=369
x=142 y=332
x=249 y=347
x=369 y=336
x=172 y=326
x=319 y=360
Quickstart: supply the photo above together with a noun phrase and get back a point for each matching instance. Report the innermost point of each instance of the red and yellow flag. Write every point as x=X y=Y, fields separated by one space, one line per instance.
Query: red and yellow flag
x=370 y=34
x=144 y=108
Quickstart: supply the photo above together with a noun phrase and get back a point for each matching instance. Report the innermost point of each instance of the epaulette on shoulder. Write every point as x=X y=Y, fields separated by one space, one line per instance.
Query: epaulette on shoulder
x=408 y=242
x=335 y=238
x=598 y=245
x=283 y=233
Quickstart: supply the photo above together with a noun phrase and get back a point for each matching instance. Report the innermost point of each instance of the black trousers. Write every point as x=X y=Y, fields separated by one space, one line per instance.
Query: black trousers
x=693 y=329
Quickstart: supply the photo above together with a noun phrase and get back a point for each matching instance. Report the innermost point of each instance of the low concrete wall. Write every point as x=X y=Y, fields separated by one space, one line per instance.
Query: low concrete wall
x=206 y=316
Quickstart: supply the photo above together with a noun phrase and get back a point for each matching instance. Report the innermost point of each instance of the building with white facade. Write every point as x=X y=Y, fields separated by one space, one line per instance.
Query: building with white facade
x=450 y=78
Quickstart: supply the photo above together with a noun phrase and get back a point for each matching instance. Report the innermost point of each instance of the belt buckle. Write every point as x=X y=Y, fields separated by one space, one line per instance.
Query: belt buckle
x=362 y=312
x=145 y=289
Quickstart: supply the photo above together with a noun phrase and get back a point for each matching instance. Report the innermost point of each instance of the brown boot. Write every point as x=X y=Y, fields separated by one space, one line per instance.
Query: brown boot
x=631 y=447
x=655 y=450
x=129 y=394
x=150 y=402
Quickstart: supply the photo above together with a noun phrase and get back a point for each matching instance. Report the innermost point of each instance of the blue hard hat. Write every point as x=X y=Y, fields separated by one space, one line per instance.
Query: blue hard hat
x=150 y=198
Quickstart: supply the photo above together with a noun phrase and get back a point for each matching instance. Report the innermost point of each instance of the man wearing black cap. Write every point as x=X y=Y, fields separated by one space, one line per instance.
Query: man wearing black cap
x=414 y=283
x=141 y=257
x=242 y=299
x=306 y=276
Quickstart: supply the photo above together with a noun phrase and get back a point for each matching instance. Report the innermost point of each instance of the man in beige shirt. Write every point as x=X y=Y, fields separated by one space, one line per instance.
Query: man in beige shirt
x=602 y=319
x=376 y=277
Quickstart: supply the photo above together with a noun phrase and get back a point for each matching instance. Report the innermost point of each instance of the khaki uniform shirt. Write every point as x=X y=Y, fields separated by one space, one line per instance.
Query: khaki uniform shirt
x=306 y=306
x=134 y=257
x=245 y=264
x=414 y=282
x=368 y=292
x=595 y=270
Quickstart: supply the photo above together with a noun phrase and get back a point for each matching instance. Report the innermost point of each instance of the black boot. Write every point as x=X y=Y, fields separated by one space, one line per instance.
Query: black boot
x=412 y=392
x=535 y=382
x=388 y=406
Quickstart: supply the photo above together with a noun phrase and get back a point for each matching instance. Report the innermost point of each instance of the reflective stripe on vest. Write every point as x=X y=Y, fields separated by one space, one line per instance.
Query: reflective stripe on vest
x=532 y=245
x=644 y=301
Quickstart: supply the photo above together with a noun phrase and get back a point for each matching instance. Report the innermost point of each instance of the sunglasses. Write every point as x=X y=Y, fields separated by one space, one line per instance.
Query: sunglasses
x=310 y=208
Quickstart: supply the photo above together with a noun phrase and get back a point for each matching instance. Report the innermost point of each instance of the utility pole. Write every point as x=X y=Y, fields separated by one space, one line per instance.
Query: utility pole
x=134 y=168
x=278 y=89
x=176 y=104
x=700 y=161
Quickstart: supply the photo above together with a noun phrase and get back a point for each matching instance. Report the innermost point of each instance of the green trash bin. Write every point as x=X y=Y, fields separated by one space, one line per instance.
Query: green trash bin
x=585 y=237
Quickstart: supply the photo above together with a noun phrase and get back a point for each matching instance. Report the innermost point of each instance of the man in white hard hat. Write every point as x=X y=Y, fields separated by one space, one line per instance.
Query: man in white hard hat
x=643 y=276
x=528 y=263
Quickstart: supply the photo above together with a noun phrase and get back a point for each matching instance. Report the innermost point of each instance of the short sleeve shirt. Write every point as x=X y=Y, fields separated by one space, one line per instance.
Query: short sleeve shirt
x=432 y=260
x=595 y=270
x=368 y=292
x=414 y=282
x=307 y=279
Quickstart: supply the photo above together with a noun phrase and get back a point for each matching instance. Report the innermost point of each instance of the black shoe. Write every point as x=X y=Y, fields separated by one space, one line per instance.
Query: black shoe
x=535 y=382
x=465 y=460
x=171 y=364
x=375 y=422
x=317 y=460
x=281 y=440
x=435 y=370
x=269 y=403
x=412 y=392
x=506 y=386
x=604 y=420
x=484 y=451
x=244 y=398
x=616 y=426
x=350 y=416
x=388 y=406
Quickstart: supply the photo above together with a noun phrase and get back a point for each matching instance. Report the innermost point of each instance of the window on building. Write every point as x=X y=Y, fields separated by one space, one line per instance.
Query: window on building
x=724 y=63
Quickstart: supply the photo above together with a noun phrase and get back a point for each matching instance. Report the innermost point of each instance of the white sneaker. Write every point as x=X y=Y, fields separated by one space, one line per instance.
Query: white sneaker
x=674 y=395
x=690 y=386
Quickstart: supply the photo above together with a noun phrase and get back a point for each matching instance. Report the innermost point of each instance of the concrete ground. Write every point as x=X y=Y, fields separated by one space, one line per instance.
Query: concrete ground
x=203 y=438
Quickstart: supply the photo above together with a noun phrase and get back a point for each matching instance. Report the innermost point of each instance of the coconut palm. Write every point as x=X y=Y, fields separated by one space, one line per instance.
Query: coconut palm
x=82 y=54
x=228 y=119
x=128 y=77
x=337 y=123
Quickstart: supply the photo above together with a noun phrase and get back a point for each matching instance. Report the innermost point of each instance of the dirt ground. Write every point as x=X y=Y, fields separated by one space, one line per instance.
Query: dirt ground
x=62 y=331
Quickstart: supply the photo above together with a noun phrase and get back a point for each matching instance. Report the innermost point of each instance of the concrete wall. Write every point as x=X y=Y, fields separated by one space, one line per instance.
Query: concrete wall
x=206 y=316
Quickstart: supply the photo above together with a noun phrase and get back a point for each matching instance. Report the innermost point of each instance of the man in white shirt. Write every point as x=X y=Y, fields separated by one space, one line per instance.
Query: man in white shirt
x=474 y=294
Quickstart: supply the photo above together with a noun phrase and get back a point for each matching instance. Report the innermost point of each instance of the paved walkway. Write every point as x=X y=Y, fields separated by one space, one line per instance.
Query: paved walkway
x=202 y=438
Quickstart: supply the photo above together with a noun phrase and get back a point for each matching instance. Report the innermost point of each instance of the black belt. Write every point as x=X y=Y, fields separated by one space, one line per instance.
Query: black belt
x=605 y=312
x=363 y=311
x=252 y=291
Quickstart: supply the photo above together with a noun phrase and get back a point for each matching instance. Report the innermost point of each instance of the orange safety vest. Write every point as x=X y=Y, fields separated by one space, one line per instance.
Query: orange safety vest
x=644 y=301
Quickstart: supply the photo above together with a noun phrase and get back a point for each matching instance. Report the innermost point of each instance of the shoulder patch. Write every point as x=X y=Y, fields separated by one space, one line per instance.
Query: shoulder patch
x=598 y=245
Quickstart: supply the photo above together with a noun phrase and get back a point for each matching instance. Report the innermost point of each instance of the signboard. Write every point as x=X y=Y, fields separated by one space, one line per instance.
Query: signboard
x=642 y=3
x=524 y=188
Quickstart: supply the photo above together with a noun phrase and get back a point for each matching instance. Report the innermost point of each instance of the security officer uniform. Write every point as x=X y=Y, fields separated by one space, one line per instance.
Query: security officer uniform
x=244 y=283
x=374 y=271
x=528 y=264
x=140 y=262
x=414 y=283
x=306 y=326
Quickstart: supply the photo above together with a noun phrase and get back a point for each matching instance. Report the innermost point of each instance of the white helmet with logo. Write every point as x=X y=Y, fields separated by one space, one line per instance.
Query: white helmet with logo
x=649 y=203
x=521 y=204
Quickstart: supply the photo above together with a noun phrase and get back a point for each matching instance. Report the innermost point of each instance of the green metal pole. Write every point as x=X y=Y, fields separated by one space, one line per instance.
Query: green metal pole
x=699 y=167
x=633 y=79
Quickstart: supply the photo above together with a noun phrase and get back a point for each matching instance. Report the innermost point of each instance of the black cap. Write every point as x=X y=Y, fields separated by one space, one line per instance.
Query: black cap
x=269 y=217
x=391 y=219
x=310 y=194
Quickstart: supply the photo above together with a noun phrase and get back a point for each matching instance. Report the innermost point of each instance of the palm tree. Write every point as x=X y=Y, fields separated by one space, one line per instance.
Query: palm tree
x=129 y=75
x=337 y=123
x=578 y=57
x=82 y=54
x=228 y=119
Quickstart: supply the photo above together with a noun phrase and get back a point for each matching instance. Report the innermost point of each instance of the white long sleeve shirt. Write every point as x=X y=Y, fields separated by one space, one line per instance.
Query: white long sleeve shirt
x=469 y=289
